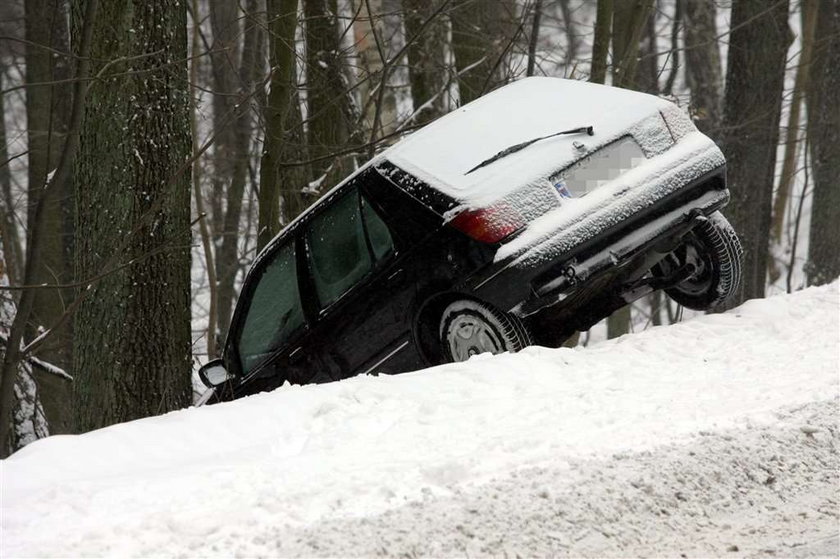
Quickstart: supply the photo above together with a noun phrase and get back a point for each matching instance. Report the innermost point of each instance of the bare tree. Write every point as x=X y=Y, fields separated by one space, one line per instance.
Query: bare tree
x=132 y=332
x=48 y=95
x=235 y=69
x=331 y=115
x=629 y=23
x=824 y=138
x=703 y=69
x=482 y=35
x=601 y=42
x=754 y=82
x=8 y=225
x=427 y=60
x=282 y=21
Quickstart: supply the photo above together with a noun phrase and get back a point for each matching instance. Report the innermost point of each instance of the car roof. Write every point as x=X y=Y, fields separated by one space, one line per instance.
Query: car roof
x=443 y=152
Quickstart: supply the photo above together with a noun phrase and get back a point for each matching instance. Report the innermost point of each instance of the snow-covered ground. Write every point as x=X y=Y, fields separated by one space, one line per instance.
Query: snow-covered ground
x=716 y=436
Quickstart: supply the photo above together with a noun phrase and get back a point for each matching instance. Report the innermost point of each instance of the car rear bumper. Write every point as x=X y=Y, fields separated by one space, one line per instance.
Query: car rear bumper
x=546 y=272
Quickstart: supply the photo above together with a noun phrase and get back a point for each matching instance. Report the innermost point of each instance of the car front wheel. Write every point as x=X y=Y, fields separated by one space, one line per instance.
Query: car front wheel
x=470 y=327
x=712 y=254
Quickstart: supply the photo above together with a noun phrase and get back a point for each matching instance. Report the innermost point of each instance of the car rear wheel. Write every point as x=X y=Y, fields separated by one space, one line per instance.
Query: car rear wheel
x=470 y=327
x=711 y=254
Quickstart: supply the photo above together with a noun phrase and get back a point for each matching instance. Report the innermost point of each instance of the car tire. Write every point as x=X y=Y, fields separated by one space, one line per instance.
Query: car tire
x=469 y=327
x=715 y=251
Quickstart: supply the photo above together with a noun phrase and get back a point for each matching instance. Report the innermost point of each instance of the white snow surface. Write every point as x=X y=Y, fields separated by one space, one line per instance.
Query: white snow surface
x=359 y=467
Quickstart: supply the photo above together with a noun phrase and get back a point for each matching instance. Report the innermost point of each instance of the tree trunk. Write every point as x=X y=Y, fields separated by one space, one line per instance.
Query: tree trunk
x=29 y=418
x=647 y=73
x=703 y=71
x=629 y=21
x=792 y=133
x=754 y=84
x=14 y=353
x=601 y=42
x=482 y=33
x=330 y=115
x=234 y=127
x=132 y=337
x=572 y=37
x=534 y=37
x=426 y=60
x=225 y=55
x=824 y=137
x=282 y=21
x=8 y=227
x=48 y=114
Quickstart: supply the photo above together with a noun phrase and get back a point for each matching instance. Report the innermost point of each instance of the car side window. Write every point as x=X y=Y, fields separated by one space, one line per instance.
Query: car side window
x=274 y=310
x=381 y=242
x=338 y=252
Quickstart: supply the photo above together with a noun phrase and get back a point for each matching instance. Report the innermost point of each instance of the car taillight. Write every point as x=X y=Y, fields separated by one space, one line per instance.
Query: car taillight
x=489 y=225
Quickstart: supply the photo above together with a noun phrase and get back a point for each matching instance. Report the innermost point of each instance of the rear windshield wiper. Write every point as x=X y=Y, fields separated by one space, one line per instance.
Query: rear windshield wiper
x=518 y=147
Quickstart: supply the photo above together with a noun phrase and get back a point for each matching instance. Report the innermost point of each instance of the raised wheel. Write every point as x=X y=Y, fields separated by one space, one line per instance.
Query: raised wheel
x=713 y=254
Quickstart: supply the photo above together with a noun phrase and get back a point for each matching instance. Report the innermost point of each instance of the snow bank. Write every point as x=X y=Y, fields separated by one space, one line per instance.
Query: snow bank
x=236 y=479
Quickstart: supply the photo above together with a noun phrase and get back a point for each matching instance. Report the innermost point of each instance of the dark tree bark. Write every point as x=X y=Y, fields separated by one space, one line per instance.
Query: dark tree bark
x=569 y=29
x=647 y=73
x=132 y=337
x=809 y=12
x=754 y=84
x=674 y=53
x=331 y=116
x=14 y=354
x=8 y=227
x=274 y=179
x=629 y=21
x=233 y=124
x=225 y=59
x=48 y=114
x=601 y=42
x=824 y=138
x=482 y=33
x=533 y=38
x=426 y=59
x=703 y=71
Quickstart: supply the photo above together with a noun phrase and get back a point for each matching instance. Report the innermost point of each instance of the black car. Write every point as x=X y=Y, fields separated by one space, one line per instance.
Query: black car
x=520 y=218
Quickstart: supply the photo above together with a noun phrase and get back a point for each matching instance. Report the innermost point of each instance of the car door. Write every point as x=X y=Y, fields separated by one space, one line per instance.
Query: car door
x=270 y=329
x=362 y=291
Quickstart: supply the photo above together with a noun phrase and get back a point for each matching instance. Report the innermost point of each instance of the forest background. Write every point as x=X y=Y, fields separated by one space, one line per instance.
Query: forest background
x=150 y=148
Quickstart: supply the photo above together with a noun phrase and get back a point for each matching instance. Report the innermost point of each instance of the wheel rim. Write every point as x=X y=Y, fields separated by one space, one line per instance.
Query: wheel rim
x=700 y=280
x=470 y=335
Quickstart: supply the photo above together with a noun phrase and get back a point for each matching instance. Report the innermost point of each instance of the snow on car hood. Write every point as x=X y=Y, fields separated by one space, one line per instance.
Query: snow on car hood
x=443 y=152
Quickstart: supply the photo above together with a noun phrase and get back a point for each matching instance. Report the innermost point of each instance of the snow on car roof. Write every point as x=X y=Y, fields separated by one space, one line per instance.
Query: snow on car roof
x=443 y=152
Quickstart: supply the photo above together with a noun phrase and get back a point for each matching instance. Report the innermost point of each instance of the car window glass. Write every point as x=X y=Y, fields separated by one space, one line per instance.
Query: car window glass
x=274 y=311
x=380 y=238
x=338 y=253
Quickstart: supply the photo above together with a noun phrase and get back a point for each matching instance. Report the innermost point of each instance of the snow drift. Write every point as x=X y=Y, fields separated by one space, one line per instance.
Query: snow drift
x=255 y=476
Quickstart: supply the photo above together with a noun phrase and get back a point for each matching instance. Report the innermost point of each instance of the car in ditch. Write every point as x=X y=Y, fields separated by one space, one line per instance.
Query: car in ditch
x=522 y=217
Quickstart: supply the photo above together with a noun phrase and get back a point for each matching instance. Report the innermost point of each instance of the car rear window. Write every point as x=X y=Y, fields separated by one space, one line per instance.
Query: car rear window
x=598 y=168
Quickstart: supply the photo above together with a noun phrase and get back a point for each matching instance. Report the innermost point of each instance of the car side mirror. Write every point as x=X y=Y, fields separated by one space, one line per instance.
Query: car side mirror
x=213 y=373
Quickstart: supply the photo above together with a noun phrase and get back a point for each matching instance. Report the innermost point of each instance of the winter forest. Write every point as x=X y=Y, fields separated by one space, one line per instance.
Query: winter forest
x=151 y=148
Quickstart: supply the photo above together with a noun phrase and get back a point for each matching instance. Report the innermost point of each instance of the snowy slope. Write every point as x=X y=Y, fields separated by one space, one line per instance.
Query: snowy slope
x=254 y=476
